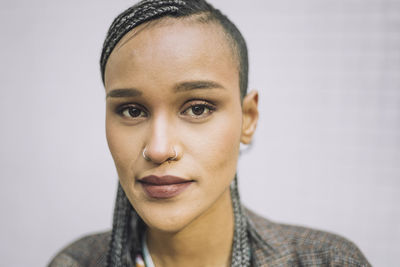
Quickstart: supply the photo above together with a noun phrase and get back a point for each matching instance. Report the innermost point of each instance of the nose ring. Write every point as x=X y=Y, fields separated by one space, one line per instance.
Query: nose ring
x=176 y=155
x=148 y=159
x=144 y=155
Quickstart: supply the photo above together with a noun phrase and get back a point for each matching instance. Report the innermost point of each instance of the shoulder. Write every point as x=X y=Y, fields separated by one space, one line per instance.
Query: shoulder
x=90 y=250
x=277 y=244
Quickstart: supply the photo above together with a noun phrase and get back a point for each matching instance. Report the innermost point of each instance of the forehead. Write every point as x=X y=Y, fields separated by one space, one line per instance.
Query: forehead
x=183 y=45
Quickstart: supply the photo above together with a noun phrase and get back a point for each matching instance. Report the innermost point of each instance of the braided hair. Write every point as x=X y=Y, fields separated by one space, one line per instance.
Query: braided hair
x=127 y=225
x=149 y=10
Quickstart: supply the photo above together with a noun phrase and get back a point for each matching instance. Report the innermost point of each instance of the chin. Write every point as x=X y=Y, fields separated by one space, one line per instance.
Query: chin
x=168 y=218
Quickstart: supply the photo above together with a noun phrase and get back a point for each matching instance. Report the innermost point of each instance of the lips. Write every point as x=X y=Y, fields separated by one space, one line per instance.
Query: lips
x=162 y=187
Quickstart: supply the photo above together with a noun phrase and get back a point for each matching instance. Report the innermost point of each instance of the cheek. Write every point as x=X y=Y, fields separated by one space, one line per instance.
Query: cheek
x=124 y=146
x=217 y=147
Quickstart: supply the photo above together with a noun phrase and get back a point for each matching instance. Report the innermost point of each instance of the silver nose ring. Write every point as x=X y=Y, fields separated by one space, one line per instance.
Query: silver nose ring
x=144 y=155
x=148 y=159
x=176 y=155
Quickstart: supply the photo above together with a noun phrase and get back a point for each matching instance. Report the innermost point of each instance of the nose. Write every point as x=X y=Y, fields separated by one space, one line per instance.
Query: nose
x=160 y=146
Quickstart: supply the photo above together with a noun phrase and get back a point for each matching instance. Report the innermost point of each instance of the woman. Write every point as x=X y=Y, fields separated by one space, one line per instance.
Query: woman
x=175 y=75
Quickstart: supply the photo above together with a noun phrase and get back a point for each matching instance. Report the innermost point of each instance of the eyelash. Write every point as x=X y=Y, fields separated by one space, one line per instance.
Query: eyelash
x=199 y=103
x=208 y=109
x=125 y=108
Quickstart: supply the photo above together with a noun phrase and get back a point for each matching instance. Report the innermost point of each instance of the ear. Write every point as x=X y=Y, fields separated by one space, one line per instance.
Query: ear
x=249 y=116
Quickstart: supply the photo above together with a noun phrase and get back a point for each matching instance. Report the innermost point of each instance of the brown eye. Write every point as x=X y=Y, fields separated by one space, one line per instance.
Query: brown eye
x=198 y=110
x=132 y=112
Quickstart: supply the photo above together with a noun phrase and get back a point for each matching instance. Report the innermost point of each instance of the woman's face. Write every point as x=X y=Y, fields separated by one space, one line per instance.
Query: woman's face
x=173 y=90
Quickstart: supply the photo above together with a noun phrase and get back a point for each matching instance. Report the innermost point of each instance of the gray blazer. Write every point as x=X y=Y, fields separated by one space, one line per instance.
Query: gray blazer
x=272 y=244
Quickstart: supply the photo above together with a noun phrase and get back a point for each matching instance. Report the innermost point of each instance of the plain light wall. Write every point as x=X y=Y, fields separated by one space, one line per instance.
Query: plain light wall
x=326 y=153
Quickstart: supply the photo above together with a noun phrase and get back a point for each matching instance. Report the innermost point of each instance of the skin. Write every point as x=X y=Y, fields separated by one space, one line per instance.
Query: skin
x=183 y=92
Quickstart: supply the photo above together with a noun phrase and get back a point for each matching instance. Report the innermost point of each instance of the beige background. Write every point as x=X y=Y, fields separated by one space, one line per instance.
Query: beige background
x=327 y=150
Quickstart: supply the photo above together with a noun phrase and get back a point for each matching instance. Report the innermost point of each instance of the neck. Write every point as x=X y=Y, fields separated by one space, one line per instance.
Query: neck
x=207 y=241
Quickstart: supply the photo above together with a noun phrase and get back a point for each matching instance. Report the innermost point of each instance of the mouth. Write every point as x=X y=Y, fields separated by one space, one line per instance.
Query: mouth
x=163 y=187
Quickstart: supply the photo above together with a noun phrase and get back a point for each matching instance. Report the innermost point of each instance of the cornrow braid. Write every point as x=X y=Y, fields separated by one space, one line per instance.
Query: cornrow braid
x=133 y=17
x=149 y=10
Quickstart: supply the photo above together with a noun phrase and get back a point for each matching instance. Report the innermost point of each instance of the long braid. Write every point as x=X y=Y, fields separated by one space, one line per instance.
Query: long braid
x=120 y=231
x=241 y=252
x=126 y=221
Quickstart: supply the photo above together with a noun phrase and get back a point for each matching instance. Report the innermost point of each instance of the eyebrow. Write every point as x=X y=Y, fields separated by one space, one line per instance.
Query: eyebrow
x=127 y=92
x=181 y=87
x=194 y=85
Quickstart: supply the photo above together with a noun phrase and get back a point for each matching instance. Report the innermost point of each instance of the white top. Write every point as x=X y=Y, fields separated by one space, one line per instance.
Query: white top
x=148 y=261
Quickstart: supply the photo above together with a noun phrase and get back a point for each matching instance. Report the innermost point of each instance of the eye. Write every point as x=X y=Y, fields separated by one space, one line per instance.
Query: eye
x=131 y=111
x=199 y=109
